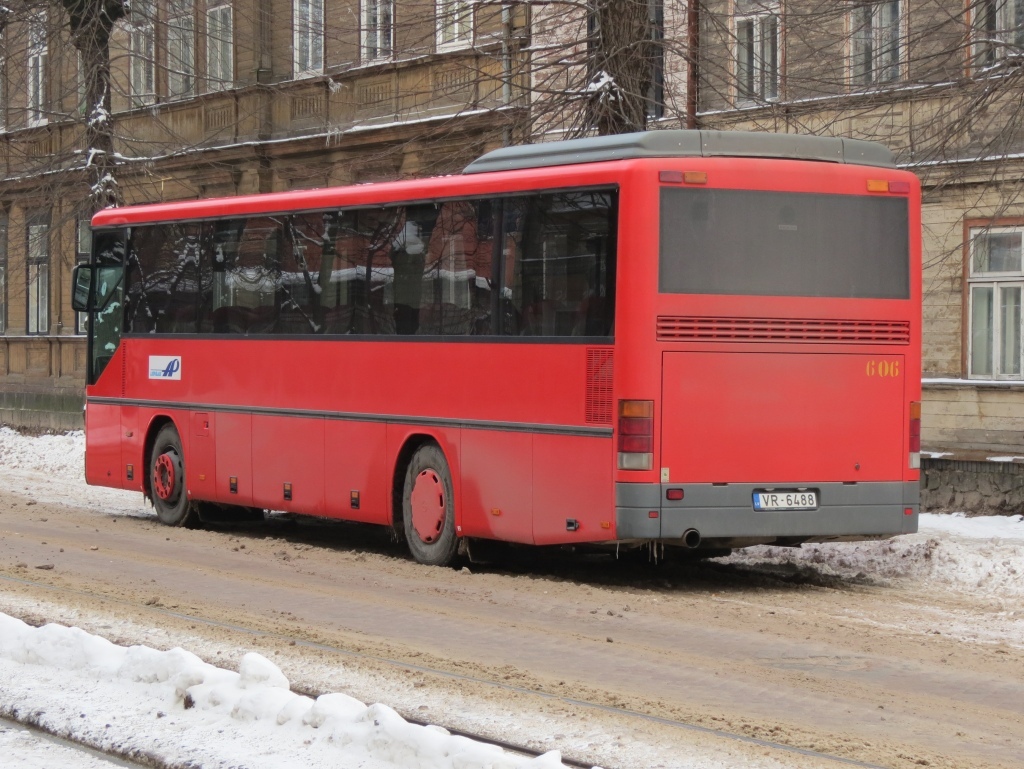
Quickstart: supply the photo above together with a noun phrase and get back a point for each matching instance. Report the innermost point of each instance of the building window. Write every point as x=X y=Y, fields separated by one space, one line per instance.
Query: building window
x=219 y=48
x=995 y=283
x=998 y=30
x=757 y=52
x=142 y=45
x=3 y=82
x=3 y=272
x=37 y=281
x=454 y=23
x=308 y=36
x=80 y=81
x=875 y=44
x=37 y=56
x=83 y=252
x=656 y=92
x=378 y=29
x=181 y=50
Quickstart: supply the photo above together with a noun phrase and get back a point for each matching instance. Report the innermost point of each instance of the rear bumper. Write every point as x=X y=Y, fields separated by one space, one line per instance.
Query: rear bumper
x=725 y=515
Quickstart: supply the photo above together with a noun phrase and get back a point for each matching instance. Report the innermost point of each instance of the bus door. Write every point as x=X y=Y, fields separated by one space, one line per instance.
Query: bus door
x=99 y=290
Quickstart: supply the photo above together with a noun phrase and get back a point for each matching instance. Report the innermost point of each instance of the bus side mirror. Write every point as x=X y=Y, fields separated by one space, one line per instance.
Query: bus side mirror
x=82 y=281
x=95 y=286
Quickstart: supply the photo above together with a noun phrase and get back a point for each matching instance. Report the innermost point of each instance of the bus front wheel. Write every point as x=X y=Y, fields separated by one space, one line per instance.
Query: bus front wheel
x=167 y=479
x=428 y=508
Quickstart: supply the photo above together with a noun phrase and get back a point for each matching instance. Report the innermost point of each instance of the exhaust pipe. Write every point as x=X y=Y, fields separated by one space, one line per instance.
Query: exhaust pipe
x=691 y=538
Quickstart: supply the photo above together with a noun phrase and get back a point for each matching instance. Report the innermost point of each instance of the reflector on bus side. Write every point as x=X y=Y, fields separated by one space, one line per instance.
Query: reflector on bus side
x=915 y=435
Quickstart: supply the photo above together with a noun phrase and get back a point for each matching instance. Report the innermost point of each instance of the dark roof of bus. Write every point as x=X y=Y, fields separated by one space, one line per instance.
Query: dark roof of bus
x=676 y=143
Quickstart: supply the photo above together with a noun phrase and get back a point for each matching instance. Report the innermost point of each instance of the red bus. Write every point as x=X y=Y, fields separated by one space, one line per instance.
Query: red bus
x=689 y=338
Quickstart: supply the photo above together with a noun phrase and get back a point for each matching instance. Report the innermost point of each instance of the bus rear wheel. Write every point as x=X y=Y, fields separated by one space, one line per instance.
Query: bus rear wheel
x=167 y=479
x=428 y=508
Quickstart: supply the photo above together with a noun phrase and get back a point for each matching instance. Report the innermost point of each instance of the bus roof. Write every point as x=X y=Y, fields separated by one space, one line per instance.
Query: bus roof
x=677 y=143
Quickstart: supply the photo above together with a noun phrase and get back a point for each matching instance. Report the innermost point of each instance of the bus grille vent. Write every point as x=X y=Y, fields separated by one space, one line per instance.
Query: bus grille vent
x=600 y=365
x=697 y=329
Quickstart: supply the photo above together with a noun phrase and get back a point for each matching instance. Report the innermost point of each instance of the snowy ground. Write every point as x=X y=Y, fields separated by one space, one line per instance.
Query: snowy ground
x=171 y=704
x=172 y=708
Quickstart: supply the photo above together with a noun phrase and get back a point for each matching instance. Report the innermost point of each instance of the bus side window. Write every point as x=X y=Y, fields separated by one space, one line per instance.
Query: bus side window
x=564 y=265
x=163 y=279
x=457 y=278
x=246 y=274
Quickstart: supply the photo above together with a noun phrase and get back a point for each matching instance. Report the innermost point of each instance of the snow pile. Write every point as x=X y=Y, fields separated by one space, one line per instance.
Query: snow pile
x=51 y=454
x=976 y=556
x=256 y=701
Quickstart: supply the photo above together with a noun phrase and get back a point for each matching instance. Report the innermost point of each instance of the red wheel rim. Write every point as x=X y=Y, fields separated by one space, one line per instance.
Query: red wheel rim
x=428 y=505
x=166 y=471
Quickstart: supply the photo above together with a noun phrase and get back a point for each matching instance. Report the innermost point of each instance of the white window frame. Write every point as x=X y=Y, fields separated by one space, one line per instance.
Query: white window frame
x=757 y=64
x=454 y=24
x=308 y=37
x=998 y=282
x=142 y=53
x=37 y=278
x=181 y=50
x=38 y=54
x=997 y=30
x=873 y=41
x=220 y=50
x=378 y=29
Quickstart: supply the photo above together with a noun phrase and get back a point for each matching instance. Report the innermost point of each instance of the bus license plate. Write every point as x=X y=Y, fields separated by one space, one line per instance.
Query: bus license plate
x=785 y=500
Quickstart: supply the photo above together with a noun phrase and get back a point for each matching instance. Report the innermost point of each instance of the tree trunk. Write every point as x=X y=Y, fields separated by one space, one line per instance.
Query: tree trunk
x=623 y=65
x=91 y=22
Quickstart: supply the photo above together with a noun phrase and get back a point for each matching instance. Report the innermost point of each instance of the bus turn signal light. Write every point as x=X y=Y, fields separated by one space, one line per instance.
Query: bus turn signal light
x=636 y=435
x=883 y=185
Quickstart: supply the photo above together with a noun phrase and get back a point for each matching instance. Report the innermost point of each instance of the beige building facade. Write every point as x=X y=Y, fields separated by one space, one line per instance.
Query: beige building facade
x=228 y=97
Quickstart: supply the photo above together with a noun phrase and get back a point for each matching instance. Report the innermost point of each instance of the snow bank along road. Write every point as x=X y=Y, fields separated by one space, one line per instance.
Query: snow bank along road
x=898 y=654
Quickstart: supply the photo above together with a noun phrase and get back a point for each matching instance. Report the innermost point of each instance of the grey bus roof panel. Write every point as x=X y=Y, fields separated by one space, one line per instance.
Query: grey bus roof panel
x=679 y=143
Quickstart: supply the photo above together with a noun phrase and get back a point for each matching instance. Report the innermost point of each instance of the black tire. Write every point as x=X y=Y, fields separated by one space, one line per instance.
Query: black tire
x=429 y=530
x=167 y=480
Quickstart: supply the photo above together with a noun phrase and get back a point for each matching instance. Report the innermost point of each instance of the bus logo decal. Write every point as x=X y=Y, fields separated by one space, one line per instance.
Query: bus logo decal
x=165 y=367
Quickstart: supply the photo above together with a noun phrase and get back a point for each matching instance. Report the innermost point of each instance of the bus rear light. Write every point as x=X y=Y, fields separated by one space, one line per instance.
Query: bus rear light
x=878 y=185
x=674 y=495
x=636 y=409
x=695 y=177
x=908 y=511
x=900 y=187
x=636 y=435
x=636 y=444
x=914 y=433
x=673 y=177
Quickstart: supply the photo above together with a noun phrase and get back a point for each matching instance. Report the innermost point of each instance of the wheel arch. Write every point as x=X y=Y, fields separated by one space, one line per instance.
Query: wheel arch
x=156 y=423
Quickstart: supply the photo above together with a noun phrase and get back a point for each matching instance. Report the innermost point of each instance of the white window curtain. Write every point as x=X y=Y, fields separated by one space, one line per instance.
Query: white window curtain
x=308 y=36
x=220 y=64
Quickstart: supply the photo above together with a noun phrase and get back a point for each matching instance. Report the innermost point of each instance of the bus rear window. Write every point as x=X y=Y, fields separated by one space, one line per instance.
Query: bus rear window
x=783 y=244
